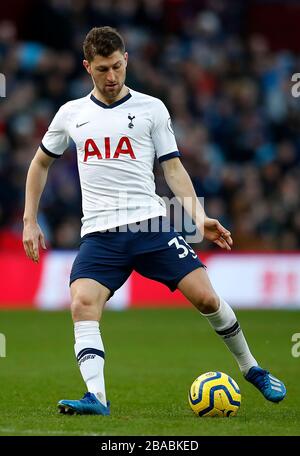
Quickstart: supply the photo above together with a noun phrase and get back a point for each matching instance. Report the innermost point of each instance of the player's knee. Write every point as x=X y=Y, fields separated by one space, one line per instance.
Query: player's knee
x=81 y=305
x=207 y=302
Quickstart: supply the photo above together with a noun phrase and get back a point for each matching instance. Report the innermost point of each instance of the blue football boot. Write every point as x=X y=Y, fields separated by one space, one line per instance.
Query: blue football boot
x=272 y=388
x=88 y=405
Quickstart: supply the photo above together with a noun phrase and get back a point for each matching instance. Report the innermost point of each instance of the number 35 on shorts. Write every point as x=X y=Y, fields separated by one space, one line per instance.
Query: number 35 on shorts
x=182 y=246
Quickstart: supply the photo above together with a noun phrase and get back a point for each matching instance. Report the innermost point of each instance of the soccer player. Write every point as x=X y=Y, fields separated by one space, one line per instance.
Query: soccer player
x=118 y=132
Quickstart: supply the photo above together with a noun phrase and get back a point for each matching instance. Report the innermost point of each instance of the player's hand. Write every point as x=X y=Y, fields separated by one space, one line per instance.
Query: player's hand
x=215 y=232
x=33 y=237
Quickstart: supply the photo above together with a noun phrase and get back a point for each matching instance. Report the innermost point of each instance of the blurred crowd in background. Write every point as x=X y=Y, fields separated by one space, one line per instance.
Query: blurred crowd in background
x=228 y=92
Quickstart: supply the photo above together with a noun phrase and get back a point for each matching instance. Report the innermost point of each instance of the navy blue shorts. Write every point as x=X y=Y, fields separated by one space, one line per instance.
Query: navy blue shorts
x=110 y=256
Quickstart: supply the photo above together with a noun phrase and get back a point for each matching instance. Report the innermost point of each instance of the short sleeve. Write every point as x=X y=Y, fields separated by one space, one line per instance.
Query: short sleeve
x=56 y=139
x=162 y=134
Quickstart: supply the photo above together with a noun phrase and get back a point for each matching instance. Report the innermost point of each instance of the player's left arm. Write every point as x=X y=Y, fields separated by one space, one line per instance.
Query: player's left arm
x=181 y=185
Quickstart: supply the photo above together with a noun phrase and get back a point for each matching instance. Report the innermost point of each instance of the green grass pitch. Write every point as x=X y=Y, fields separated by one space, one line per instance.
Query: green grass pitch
x=152 y=357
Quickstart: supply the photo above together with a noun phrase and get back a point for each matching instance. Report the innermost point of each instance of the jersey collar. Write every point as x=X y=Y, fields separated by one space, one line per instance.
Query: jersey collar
x=113 y=105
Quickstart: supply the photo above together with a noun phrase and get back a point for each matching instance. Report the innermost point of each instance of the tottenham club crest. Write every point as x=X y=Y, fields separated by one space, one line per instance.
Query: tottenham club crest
x=130 y=117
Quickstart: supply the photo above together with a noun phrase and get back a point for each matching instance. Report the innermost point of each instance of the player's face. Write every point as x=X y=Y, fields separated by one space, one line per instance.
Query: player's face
x=108 y=73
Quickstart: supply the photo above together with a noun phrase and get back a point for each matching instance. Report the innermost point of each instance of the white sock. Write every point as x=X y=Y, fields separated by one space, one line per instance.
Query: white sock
x=226 y=325
x=89 y=352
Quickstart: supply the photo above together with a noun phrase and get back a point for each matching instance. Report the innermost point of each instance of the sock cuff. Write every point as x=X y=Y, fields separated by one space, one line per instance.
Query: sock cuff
x=86 y=329
x=86 y=323
x=224 y=319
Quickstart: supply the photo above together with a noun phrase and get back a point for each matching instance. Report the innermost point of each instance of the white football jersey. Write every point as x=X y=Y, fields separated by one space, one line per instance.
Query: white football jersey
x=116 y=147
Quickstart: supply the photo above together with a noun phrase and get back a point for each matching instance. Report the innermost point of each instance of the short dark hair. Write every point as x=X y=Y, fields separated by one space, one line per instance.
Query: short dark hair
x=102 y=41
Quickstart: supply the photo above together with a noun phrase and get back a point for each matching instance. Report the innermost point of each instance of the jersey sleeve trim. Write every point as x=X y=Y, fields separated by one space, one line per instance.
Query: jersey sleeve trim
x=169 y=156
x=44 y=149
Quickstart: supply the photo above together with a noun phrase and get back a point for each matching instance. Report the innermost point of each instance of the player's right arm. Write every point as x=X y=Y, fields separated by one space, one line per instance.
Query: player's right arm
x=53 y=145
x=37 y=174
